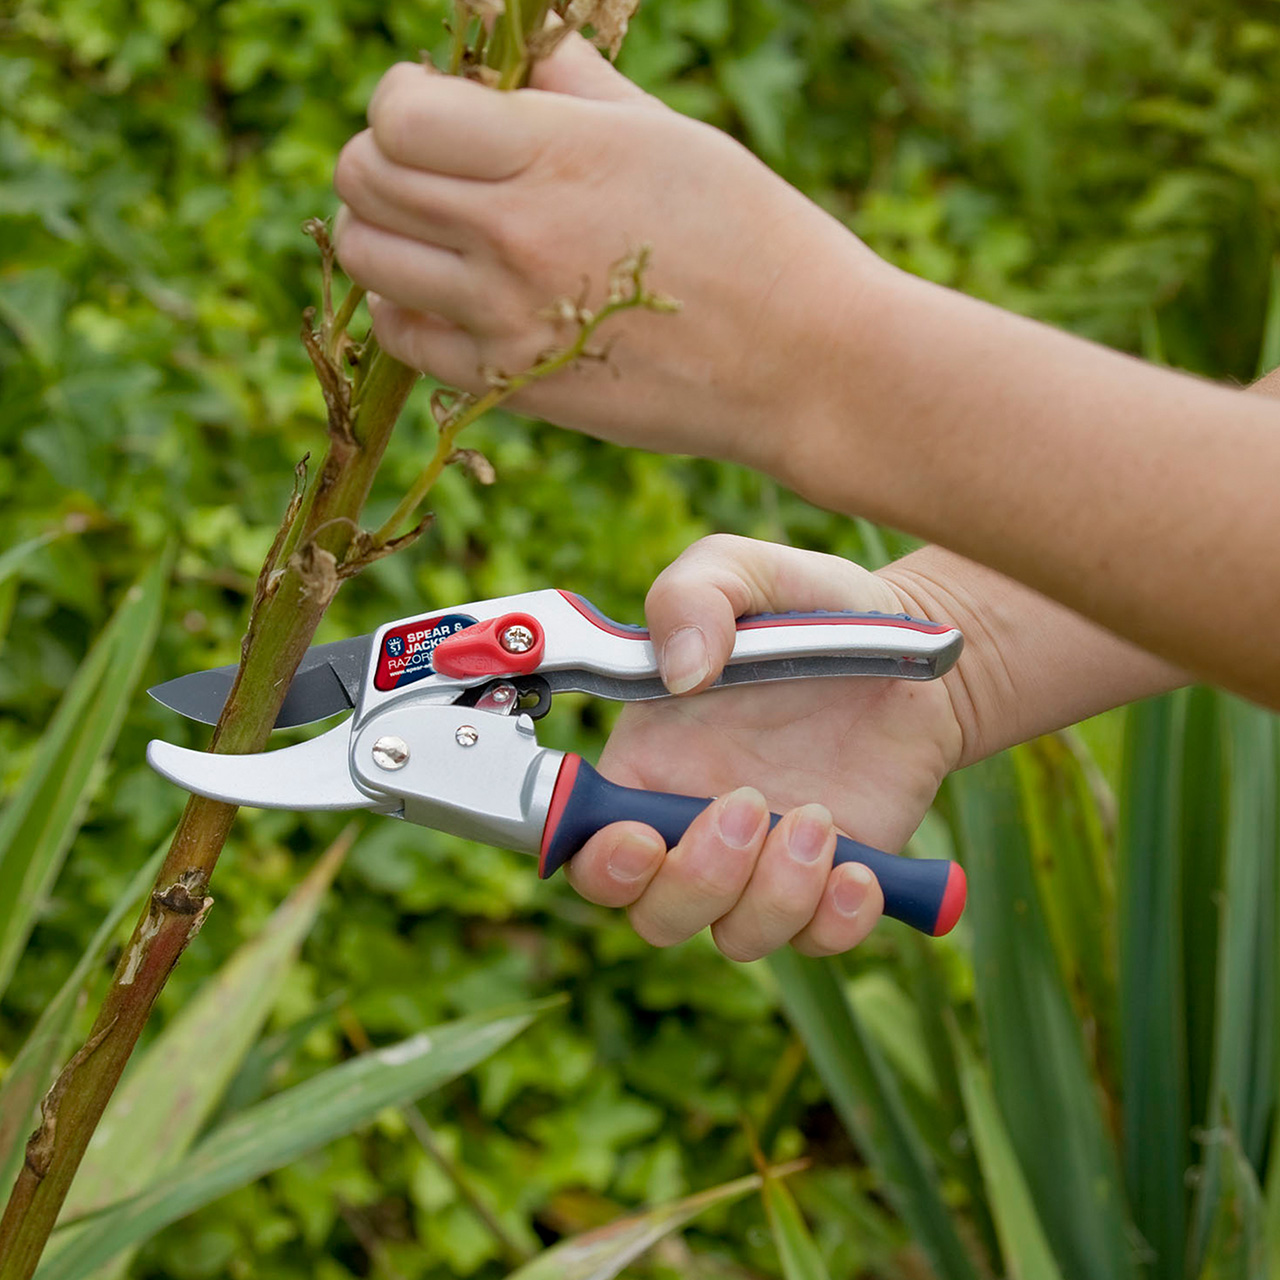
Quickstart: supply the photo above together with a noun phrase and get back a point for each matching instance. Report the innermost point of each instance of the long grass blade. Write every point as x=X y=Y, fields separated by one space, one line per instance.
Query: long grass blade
x=1072 y=861
x=33 y=1070
x=1244 y=1059
x=797 y=1250
x=1023 y=1245
x=1155 y=1090
x=866 y=1097
x=604 y=1252
x=1236 y=1247
x=13 y=559
x=1048 y=1099
x=1204 y=827
x=281 y=1129
x=41 y=819
x=173 y=1087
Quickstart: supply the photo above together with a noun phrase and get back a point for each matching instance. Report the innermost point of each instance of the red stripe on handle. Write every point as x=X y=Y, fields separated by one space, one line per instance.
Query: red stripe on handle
x=567 y=776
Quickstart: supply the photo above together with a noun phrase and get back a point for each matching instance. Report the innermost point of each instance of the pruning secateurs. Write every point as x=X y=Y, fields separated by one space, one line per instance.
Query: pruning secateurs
x=443 y=727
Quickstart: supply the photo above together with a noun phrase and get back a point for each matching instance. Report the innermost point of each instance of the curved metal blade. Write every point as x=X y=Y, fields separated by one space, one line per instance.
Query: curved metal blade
x=310 y=775
x=328 y=681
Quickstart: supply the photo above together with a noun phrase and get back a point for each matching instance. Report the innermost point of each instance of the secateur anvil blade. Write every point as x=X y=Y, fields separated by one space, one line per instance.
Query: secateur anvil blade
x=310 y=775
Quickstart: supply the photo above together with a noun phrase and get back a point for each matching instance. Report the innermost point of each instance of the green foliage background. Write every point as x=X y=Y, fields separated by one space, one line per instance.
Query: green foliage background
x=1113 y=167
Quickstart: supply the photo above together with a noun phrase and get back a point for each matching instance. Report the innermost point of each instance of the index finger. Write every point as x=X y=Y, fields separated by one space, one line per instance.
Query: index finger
x=451 y=125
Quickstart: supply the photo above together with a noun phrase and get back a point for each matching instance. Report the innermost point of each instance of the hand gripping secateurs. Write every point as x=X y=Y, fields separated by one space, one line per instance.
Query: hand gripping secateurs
x=443 y=731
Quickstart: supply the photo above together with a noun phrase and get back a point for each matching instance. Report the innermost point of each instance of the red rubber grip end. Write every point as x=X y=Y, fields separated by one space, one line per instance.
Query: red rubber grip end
x=953 y=899
x=565 y=779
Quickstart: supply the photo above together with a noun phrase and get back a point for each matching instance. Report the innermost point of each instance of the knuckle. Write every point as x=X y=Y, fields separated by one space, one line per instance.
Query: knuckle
x=351 y=246
x=740 y=948
x=393 y=117
x=514 y=234
x=717 y=881
x=832 y=938
x=806 y=945
x=783 y=919
x=351 y=171
x=355 y=250
x=718 y=544
x=653 y=931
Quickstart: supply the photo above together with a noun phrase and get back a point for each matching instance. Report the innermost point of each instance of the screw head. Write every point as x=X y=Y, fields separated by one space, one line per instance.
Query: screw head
x=517 y=639
x=390 y=752
x=466 y=735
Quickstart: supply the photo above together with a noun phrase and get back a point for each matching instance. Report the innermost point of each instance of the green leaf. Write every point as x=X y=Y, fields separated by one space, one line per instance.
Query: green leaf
x=1064 y=796
x=1023 y=1245
x=32 y=1071
x=604 y=1252
x=8 y=598
x=764 y=85
x=41 y=819
x=287 y=1126
x=1203 y=839
x=1155 y=1085
x=866 y=1097
x=33 y=304
x=1244 y=1083
x=1236 y=1248
x=797 y=1249
x=172 y=1088
x=1048 y=1099
x=12 y=560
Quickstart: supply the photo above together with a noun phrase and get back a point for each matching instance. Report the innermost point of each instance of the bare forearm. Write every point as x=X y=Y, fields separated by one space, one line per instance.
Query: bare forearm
x=1030 y=665
x=1144 y=499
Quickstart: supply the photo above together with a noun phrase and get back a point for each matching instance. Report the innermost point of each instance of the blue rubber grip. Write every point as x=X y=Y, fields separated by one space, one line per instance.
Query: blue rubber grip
x=921 y=892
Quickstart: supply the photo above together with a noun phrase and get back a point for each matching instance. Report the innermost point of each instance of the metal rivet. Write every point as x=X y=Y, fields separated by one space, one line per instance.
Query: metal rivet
x=517 y=639
x=466 y=735
x=503 y=693
x=390 y=752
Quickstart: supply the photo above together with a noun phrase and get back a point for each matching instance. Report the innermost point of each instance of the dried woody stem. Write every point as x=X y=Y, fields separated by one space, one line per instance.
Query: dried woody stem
x=319 y=544
x=455 y=410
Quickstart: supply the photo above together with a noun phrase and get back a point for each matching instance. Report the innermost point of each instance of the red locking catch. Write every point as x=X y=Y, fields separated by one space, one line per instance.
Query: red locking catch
x=511 y=645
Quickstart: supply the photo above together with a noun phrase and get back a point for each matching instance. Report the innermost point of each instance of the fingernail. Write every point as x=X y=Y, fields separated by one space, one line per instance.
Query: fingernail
x=684 y=661
x=632 y=857
x=740 y=817
x=809 y=835
x=851 y=889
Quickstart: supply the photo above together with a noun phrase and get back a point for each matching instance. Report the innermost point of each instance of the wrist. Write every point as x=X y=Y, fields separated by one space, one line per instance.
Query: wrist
x=967 y=685
x=821 y=339
x=1030 y=666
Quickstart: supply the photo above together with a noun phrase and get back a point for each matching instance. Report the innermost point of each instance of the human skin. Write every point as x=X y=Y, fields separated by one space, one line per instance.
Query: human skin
x=873 y=752
x=1141 y=497
x=1099 y=490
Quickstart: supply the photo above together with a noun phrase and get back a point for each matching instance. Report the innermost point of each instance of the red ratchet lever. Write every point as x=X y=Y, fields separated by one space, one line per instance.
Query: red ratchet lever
x=443 y=732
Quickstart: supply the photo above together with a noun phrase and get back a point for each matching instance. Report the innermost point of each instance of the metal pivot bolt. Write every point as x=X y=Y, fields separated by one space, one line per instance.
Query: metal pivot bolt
x=466 y=735
x=390 y=752
x=517 y=639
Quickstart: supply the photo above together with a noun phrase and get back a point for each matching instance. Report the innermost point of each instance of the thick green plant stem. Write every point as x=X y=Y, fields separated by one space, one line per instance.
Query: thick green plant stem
x=290 y=601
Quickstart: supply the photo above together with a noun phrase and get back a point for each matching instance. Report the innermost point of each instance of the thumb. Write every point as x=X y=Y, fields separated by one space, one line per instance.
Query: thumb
x=576 y=68
x=694 y=604
x=692 y=610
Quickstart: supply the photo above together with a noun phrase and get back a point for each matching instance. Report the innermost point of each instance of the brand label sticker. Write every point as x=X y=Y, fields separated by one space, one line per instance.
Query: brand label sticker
x=406 y=650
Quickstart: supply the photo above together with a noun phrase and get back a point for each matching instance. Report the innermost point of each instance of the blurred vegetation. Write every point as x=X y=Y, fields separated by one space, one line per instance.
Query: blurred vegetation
x=1112 y=167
